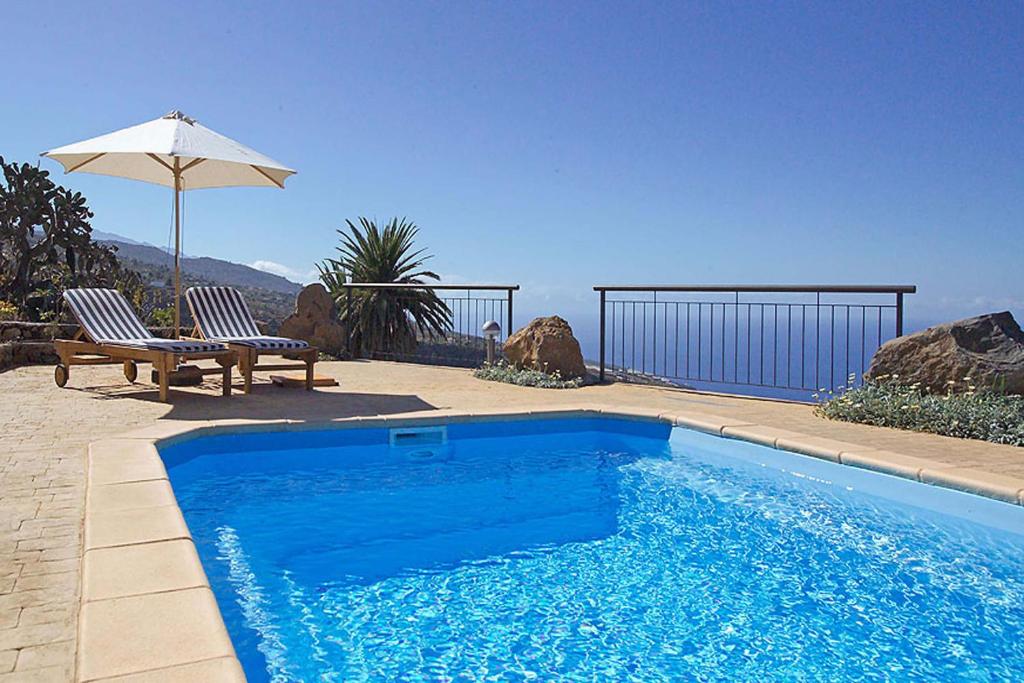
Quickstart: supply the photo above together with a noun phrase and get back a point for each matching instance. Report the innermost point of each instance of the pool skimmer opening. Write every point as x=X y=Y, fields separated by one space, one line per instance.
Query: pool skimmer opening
x=418 y=436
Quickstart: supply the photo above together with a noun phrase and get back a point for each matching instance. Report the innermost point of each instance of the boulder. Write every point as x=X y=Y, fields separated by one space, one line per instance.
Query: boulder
x=315 y=320
x=546 y=344
x=989 y=349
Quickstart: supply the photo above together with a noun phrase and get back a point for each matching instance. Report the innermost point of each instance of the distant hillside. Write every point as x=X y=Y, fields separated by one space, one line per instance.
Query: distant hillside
x=267 y=306
x=209 y=270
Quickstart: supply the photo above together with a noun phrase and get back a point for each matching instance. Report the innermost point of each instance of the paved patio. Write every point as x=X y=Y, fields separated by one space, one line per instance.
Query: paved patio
x=44 y=431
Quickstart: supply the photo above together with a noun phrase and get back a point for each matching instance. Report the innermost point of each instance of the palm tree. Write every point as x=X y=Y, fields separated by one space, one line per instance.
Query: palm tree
x=384 y=320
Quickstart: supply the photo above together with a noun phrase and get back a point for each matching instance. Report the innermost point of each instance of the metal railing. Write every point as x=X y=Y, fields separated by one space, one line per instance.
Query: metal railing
x=463 y=343
x=776 y=337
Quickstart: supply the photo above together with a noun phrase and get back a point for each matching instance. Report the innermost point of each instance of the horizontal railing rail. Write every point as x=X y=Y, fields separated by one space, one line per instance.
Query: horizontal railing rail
x=780 y=337
x=471 y=305
x=811 y=289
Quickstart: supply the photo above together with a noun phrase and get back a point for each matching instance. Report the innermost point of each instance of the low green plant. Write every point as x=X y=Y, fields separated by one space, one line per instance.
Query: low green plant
x=509 y=374
x=162 y=317
x=963 y=411
x=8 y=311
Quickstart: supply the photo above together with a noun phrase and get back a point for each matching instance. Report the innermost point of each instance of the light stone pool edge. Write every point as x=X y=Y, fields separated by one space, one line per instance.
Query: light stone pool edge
x=147 y=611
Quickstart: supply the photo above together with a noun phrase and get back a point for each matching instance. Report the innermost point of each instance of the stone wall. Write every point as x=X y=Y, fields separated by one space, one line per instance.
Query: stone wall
x=23 y=343
x=13 y=330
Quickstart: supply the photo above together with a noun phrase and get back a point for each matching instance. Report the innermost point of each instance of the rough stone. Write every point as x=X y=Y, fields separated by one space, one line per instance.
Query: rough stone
x=15 y=353
x=315 y=320
x=546 y=344
x=11 y=330
x=988 y=349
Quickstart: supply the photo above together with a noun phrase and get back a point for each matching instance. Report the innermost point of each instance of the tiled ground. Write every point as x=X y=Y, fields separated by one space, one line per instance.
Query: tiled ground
x=44 y=431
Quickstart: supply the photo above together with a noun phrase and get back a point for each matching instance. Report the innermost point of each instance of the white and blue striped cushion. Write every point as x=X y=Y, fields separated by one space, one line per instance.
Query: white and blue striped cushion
x=269 y=343
x=221 y=314
x=108 y=319
x=175 y=345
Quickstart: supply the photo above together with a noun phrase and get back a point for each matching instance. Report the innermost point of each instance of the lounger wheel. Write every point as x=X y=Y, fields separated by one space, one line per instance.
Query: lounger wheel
x=131 y=371
x=60 y=375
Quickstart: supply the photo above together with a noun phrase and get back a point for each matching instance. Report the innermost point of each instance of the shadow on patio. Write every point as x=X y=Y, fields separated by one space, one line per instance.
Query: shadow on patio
x=266 y=402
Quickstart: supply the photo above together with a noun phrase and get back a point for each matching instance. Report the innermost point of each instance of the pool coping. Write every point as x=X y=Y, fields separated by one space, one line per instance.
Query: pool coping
x=146 y=607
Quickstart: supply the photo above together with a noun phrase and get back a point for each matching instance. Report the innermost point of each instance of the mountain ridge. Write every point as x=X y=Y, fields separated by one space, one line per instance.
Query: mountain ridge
x=215 y=270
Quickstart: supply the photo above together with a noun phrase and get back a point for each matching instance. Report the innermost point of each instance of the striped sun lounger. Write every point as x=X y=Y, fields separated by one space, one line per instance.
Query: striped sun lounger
x=221 y=315
x=111 y=332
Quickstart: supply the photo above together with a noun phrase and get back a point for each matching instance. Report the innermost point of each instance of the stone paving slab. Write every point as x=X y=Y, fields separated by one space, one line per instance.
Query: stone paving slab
x=44 y=433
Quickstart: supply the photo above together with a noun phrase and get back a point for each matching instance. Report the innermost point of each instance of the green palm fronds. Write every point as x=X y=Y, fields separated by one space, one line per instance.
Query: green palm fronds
x=384 y=320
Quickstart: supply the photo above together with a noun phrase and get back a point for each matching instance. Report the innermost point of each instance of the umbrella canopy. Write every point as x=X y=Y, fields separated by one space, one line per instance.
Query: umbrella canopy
x=148 y=152
x=175 y=151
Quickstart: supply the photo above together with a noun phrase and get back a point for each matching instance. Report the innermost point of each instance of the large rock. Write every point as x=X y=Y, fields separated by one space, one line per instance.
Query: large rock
x=315 y=320
x=989 y=349
x=546 y=344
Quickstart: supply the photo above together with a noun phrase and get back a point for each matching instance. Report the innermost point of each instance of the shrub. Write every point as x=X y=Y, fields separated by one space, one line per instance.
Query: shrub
x=8 y=311
x=503 y=372
x=971 y=414
x=162 y=317
x=46 y=245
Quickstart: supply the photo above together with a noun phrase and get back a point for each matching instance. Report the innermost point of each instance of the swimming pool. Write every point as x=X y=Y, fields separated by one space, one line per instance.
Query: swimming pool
x=592 y=549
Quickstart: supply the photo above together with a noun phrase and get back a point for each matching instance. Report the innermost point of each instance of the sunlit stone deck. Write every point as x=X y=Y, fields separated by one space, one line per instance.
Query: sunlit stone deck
x=45 y=431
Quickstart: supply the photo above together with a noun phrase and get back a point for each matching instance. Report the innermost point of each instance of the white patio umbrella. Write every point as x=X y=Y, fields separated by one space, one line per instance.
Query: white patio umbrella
x=174 y=151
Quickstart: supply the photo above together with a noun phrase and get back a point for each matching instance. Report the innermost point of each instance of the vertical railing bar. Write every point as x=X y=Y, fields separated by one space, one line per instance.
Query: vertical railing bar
x=654 y=338
x=846 y=374
x=789 y=346
x=749 y=355
x=457 y=302
x=643 y=337
x=623 y=366
x=687 y=340
x=632 y=342
x=832 y=350
x=803 y=346
x=817 y=341
x=511 y=320
x=736 y=338
x=723 y=341
x=863 y=342
x=602 y=333
x=760 y=347
x=611 y=356
x=899 y=314
x=664 y=345
x=775 y=345
x=700 y=339
x=676 y=373
x=711 y=346
x=348 y=320
x=879 y=326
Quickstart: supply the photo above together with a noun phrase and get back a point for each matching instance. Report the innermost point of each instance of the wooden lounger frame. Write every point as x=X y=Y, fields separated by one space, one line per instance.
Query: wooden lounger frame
x=248 y=360
x=80 y=351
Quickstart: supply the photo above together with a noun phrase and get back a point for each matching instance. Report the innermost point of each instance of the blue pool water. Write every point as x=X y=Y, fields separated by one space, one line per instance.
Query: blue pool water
x=593 y=550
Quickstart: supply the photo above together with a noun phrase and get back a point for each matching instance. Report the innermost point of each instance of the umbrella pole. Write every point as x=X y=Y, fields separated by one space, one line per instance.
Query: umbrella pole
x=177 y=249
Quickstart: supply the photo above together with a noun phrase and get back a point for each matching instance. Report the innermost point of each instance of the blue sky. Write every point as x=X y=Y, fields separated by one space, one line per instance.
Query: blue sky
x=559 y=145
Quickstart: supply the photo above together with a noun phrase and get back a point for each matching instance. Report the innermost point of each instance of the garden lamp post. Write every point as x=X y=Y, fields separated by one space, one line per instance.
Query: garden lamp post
x=491 y=330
